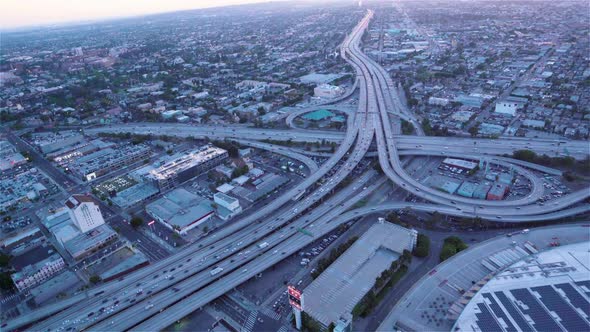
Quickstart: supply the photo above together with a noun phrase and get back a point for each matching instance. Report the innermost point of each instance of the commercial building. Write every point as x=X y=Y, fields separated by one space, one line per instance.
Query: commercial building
x=443 y=183
x=51 y=142
x=327 y=91
x=180 y=210
x=506 y=107
x=50 y=289
x=460 y=163
x=547 y=291
x=228 y=206
x=101 y=162
x=497 y=192
x=90 y=242
x=337 y=290
x=467 y=189
x=84 y=212
x=9 y=158
x=135 y=262
x=438 y=101
x=34 y=274
x=187 y=165
x=506 y=178
x=481 y=191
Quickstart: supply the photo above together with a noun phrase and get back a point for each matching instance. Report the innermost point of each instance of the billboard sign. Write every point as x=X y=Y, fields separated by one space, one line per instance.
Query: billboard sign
x=294 y=297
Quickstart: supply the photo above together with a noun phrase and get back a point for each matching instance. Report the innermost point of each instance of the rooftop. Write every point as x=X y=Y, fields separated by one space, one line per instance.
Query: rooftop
x=180 y=208
x=338 y=289
x=542 y=293
x=318 y=115
x=186 y=160
x=88 y=240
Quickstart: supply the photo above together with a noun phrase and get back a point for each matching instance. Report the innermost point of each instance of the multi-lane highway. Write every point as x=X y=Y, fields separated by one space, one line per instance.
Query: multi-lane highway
x=504 y=145
x=158 y=295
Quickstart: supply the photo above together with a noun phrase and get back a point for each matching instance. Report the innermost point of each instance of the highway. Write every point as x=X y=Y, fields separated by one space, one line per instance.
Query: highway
x=380 y=92
x=232 y=233
x=503 y=145
x=158 y=295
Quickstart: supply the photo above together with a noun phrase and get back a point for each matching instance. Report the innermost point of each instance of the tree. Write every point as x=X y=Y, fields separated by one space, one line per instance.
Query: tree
x=474 y=129
x=5 y=281
x=94 y=279
x=4 y=260
x=423 y=246
x=136 y=222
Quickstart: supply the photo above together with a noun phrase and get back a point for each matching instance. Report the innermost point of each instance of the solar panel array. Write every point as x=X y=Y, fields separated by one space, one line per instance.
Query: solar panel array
x=561 y=307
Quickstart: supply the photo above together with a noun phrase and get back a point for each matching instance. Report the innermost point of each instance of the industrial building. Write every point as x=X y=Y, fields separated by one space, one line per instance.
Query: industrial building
x=467 y=189
x=180 y=210
x=481 y=191
x=185 y=166
x=443 y=183
x=34 y=274
x=497 y=192
x=546 y=292
x=337 y=290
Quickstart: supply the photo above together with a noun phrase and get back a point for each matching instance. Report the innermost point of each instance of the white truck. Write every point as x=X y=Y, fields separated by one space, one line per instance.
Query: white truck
x=216 y=270
x=263 y=245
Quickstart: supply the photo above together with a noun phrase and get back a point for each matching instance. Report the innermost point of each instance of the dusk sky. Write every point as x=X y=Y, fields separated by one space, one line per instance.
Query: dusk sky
x=21 y=13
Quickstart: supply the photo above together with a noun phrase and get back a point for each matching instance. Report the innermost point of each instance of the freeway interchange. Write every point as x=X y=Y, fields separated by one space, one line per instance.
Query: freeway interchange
x=160 y=294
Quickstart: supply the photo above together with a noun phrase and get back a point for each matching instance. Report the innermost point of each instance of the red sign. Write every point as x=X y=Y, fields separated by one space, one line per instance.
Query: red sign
x=151 y=222
x=294 y=297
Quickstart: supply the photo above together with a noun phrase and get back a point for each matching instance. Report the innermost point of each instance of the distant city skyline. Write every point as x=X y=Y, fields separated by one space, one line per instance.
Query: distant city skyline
x=29 y=13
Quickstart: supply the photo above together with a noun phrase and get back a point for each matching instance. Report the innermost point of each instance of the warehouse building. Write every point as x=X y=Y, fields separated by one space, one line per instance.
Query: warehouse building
x=180 y=210
x=497 y=192
x=337 y=290
x=443 y=183
x=467 y=189
x=481 y=191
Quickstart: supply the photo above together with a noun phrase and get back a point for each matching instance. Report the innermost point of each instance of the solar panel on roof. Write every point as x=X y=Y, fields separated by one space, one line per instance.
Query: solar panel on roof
x=554 y=302
x=499 y=312
x=541 y=318
x=486 y=321
x=523 y=325
x=575 y=298
x=584 y=283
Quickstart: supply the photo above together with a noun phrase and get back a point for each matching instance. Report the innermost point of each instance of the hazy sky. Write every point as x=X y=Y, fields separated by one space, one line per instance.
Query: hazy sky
x=19 y=13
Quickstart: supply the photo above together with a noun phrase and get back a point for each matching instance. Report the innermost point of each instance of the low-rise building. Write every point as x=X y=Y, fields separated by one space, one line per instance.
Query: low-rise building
x=327 y=91
x=180 y=210
x=34 y=274
x=497 y=192
x=228 y=206
x=338 y=289
x=90 y=242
